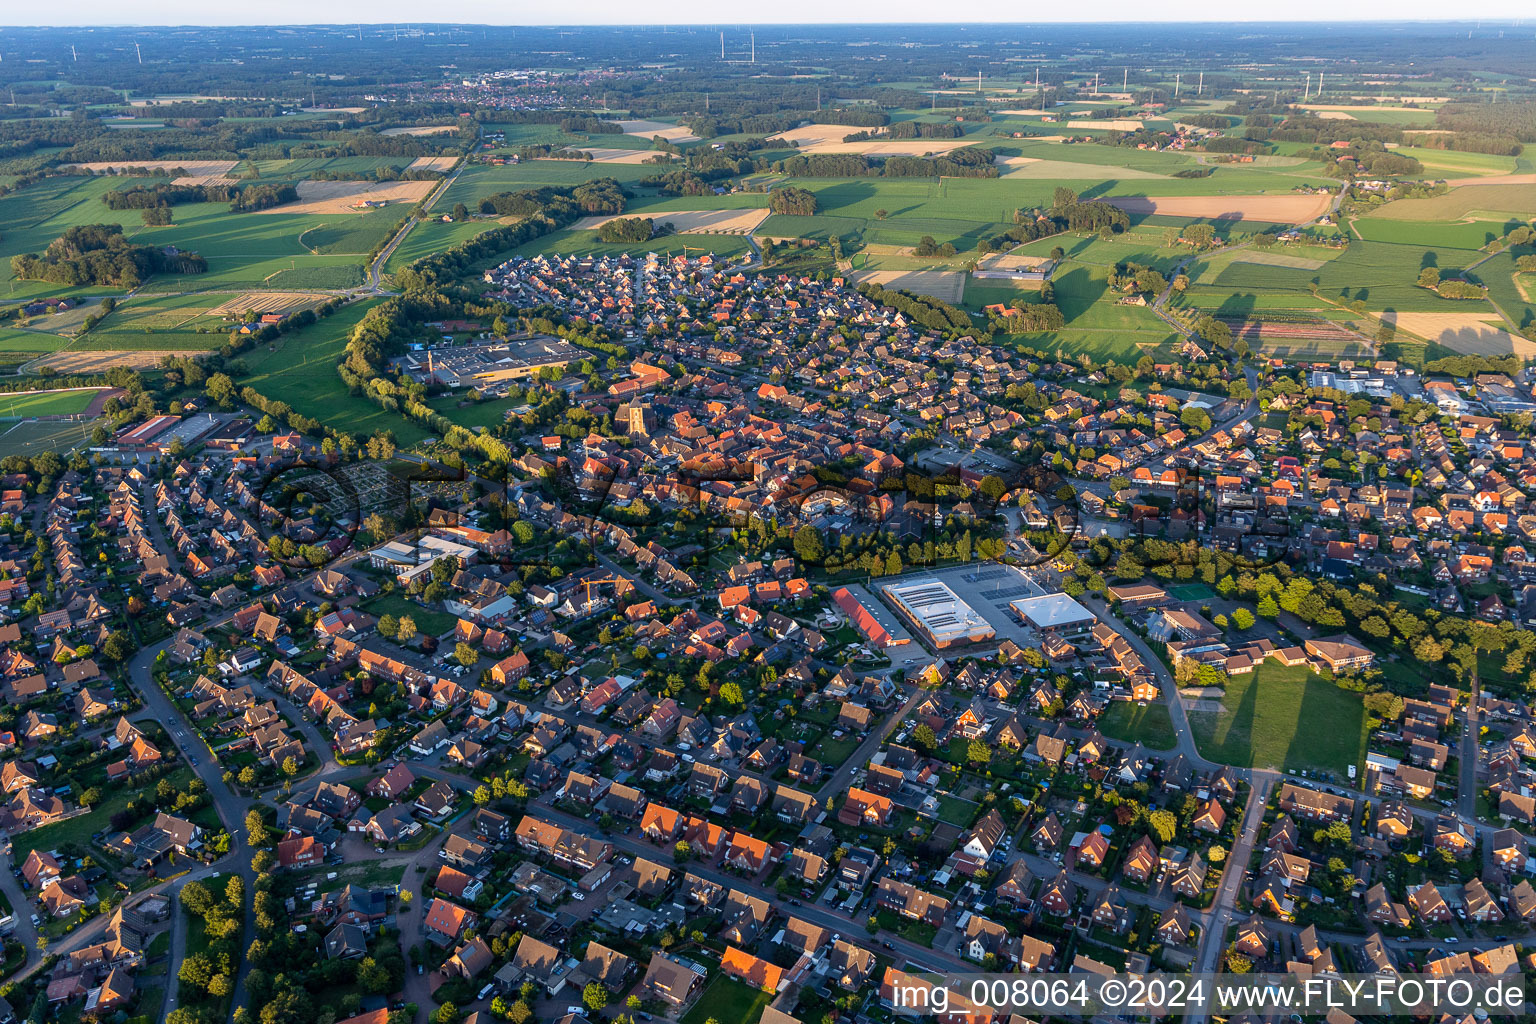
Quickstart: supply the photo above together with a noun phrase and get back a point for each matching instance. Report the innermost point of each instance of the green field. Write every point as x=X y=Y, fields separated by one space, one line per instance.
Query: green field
x=1268 y=720
x=1513 y=203
x=1380 y=274
x=300 y=369
x=24 y=404
x=1151 y=726
x=1095 y=322
x=32 y=437
x=1515 y=294
x=243 y=250
x=1450 y=163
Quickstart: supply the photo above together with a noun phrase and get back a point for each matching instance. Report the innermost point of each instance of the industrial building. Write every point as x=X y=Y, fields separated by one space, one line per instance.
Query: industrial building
x=937 y=614
x=1053 y=613
x=483 y=365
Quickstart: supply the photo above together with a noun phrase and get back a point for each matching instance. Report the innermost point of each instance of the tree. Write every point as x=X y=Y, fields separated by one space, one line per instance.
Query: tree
x=448 y=1013
x=977 y=752
x=594 y=996
x=388 y=625
x=196 y=898
x=465 y=655
x=196 y=970
x=1429 y=277
x=681 y=851
x=1242 y=618
x=407 y=629
x=924 y=738
x=808 y=544
x=255 y=828
x=731 y=694
x=1163 y=824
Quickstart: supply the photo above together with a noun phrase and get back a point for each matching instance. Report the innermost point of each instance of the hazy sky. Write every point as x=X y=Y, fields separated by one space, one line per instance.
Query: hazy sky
x=706 y=12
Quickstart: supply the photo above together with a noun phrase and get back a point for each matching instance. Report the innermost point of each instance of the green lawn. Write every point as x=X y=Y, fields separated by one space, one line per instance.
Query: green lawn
x=397 y=604
x=300 y=369
x=728 y=1001
x=1283 y=717
x=1151 y=725
x=956 y=811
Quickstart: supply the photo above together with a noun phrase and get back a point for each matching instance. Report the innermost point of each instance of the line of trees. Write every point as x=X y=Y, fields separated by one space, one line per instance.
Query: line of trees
x=263 y=197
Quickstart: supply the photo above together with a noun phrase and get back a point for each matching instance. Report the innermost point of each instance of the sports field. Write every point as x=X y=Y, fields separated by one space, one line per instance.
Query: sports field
x=1268 y=720
x=24 y=404
x=32 y=437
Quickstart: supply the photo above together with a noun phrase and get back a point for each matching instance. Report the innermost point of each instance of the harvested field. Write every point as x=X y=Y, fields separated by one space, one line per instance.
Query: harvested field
x=1322 y=109
x=1335 y=115
x=267 y=302
x=194 y=168
x=691 y=222
x=437 y=129
x=433 y=163
x=1110 y=124
x=333 y=110
x=1032 y=167
x=1464 y=332
x=1278 y=259
x=1493 y=179
x=828 y=138
x=602 y=155
x=945 y=285
x=1011 y=261
x=650 y=129
x=100 y=361
x=219 y=180
x=342 y=196
x=1281 y=209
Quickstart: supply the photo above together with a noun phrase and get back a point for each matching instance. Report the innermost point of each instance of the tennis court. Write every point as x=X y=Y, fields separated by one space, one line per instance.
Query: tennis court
x=1191 y=592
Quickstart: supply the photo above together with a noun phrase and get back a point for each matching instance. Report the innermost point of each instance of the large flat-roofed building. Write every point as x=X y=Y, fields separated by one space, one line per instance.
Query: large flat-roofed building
x=480 y=365
x=1055 y=613
x=937 y=613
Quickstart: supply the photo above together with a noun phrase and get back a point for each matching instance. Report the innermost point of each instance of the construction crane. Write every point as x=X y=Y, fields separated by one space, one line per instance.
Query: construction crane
x=589 y=584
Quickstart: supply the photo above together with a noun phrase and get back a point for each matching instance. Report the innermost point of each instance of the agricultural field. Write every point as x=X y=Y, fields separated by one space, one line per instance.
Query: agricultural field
x=691 y=222
x=1506 y=202
x=1449 y=163
x=300 y=369
x=431 y=236
x=584 y=243
x=1381 y=275
x=243 y=250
